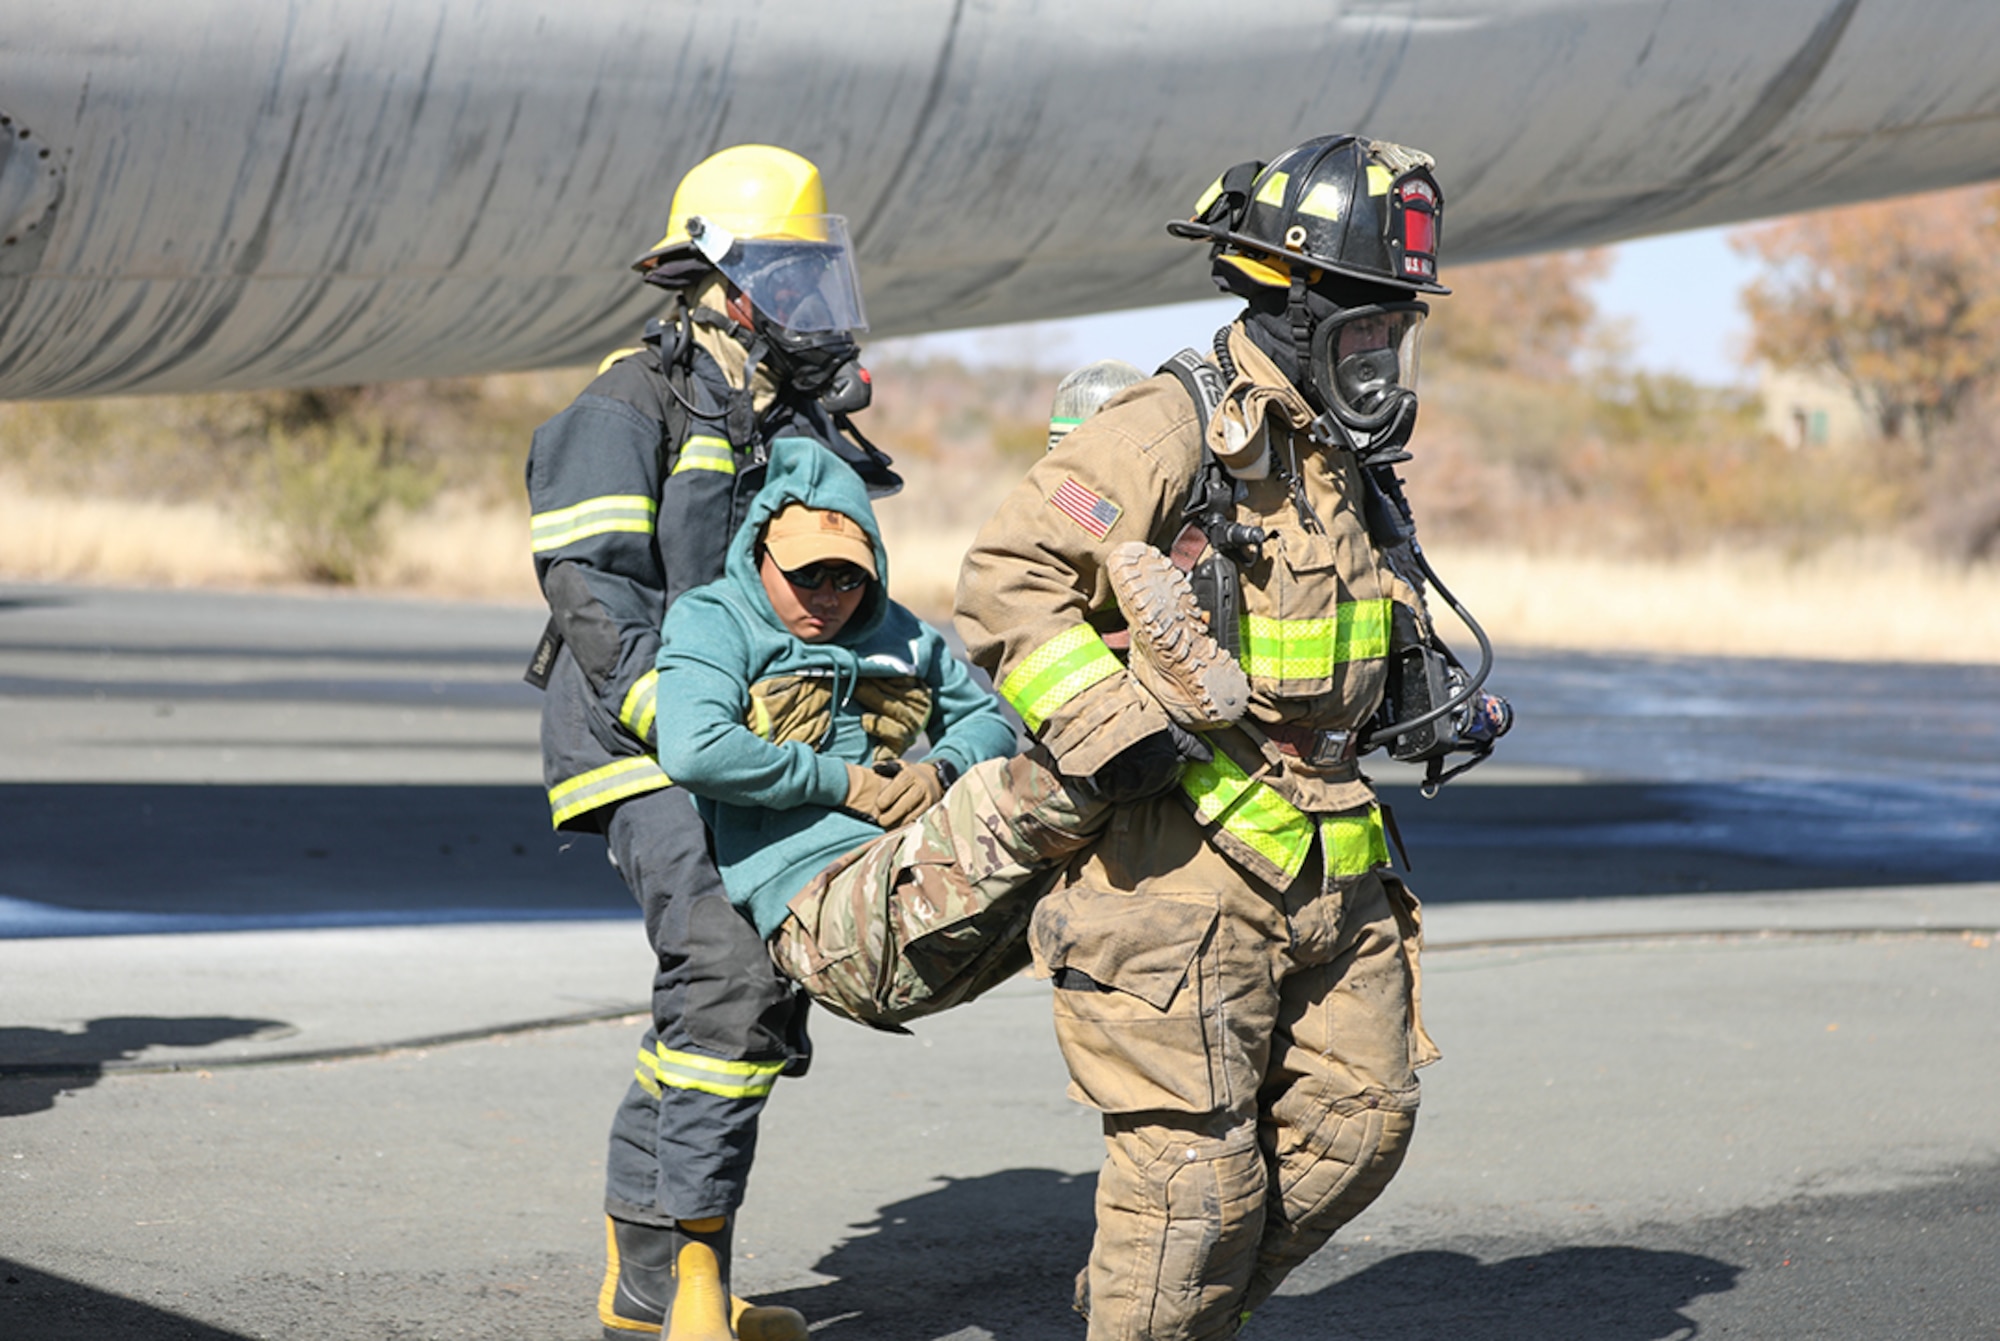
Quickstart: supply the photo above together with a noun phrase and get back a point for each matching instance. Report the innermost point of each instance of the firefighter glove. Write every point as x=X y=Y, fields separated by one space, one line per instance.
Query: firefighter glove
x=891 y=793
x=1148 y=766
x=909 y=790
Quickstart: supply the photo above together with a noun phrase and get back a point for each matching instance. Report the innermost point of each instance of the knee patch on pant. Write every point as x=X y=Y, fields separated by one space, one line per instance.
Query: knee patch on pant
x=1179 y=1215
x=1352 y=1158
x=733 y=1001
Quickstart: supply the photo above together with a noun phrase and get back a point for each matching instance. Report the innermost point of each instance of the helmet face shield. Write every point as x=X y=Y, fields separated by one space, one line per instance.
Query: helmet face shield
x=797 y=272
x=1364 y=362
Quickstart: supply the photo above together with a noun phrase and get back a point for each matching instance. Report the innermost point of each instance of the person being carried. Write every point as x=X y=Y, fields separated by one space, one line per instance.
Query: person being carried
x=888 y=888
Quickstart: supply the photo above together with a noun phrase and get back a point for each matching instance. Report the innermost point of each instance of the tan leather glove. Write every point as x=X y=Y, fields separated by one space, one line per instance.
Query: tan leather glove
x=791 y=707
x=864 y=793
x=909 y=791
x=894 y=710
x=892 y=793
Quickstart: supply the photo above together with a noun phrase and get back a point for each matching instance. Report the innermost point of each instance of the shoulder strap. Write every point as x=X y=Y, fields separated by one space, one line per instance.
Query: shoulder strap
x=1212 y=496
x=1205 y=386
x=1209 y=513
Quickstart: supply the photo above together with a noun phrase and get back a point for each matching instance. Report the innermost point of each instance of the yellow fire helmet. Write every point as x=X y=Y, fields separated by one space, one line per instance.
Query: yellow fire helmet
x=757 y=213
x=761 y=187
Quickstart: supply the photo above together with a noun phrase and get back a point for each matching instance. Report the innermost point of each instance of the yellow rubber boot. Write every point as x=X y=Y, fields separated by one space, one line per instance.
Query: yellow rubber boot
x=764 y=1322
x=638 y=1279
x=700 y=1309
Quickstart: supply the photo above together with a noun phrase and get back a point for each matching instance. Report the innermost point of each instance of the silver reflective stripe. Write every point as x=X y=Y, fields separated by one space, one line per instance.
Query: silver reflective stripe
x=601 y=786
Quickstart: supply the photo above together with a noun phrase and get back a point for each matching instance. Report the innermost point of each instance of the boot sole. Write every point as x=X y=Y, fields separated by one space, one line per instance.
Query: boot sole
x=1174 y=658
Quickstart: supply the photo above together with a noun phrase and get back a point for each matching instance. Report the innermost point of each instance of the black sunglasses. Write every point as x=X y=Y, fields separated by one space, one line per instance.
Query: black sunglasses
x=844 y=576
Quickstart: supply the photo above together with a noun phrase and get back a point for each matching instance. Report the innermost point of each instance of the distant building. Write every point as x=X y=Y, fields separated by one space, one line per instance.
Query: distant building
x=1813 y=410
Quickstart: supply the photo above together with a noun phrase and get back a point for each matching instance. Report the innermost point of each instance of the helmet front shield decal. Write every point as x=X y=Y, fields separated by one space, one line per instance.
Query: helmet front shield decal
x=1414 y=222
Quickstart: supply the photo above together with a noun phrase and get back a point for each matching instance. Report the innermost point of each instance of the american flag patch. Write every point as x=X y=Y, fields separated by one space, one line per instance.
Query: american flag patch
x=1095 y=515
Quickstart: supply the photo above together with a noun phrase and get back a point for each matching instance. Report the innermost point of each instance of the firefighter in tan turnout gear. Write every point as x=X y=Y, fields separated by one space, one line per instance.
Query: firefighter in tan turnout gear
x=1235 y=969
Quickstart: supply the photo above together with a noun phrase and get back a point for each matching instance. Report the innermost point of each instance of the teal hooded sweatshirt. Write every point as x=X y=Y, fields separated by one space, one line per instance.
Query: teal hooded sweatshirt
x=772 y=808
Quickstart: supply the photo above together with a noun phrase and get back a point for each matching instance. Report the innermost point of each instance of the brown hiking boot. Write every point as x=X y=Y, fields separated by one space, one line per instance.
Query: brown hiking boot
x=1173 y=656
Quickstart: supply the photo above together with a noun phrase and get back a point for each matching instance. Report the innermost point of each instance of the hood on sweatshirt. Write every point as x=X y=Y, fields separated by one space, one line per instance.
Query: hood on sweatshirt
x=805 y=472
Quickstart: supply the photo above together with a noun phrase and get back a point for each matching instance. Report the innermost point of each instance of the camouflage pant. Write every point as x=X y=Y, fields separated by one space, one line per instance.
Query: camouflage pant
x=932 y=914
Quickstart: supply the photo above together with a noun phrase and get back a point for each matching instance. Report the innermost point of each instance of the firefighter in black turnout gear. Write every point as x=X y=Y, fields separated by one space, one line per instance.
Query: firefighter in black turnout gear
x=636 y=489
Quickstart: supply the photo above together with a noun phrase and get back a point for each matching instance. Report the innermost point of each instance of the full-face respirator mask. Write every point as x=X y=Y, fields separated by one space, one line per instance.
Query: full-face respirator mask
x=1361 y=369
x=805 y=301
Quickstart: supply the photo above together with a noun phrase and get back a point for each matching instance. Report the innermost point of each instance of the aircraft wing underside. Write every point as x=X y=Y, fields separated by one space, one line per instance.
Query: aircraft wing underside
x=207 y=194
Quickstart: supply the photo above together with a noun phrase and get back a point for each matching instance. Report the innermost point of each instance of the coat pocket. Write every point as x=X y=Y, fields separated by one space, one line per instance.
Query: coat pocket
x=1410 y=930
x=1131 y=997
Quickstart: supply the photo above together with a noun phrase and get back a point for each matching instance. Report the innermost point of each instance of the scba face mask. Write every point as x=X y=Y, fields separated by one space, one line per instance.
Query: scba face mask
x=799 y=278
x=825 y=365
x=1363 y=369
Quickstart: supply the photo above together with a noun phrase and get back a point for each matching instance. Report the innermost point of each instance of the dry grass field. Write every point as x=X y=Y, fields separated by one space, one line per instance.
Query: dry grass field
x=1874 y=601
x=1611 y=512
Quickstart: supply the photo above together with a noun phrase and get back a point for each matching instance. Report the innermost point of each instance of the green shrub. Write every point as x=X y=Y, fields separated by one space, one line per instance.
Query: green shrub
x=327 y=490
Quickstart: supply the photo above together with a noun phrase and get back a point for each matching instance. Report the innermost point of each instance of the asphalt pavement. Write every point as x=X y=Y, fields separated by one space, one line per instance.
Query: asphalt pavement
x=310 y=1026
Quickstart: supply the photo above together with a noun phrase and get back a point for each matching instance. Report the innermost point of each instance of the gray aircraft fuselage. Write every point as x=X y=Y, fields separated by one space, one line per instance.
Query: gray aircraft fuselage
x=210 y=194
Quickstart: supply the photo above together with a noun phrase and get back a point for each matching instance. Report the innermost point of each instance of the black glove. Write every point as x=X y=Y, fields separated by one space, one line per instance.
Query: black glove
x=1149 y=766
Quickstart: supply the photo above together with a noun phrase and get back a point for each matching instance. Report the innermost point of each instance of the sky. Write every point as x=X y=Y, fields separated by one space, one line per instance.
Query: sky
x=1678 y=294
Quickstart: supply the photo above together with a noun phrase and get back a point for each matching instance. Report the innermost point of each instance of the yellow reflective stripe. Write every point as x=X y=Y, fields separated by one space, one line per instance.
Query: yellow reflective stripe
x=705 y=453
x=1380 y=179
x=1272 y=192
x=1251 y=812
x=1323 y=201
x=1354 y=844
x=1309 y=649
x=616 y=354
x=601 y=786
x=668 y=1069
x=593 y=516
x=1207 y=198
x=1057 y=672
x=641 y=704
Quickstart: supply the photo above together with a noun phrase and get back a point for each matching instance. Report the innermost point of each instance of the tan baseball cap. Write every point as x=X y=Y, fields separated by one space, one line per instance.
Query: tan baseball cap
x=800 y=535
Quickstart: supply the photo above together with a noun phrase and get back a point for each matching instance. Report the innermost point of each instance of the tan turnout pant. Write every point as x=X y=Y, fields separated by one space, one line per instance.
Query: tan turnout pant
x=1253 y=1051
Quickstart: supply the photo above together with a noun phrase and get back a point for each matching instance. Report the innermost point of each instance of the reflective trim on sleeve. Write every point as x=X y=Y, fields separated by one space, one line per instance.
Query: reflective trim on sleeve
x=641 y=705
x=1057 y=672
x=1309 y=649
x=1354 y=844
x=593 y=516
x=664 y=1069
x=706 y=453
x=1250 y=811
x=601 y=786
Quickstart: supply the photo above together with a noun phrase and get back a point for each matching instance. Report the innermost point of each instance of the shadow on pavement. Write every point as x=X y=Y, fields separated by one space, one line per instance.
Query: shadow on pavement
x=998 y=1253
x=1565 y=1294
x=36 y=1306
x=36 y=1065
x=1526 y=841
x=83 y=858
